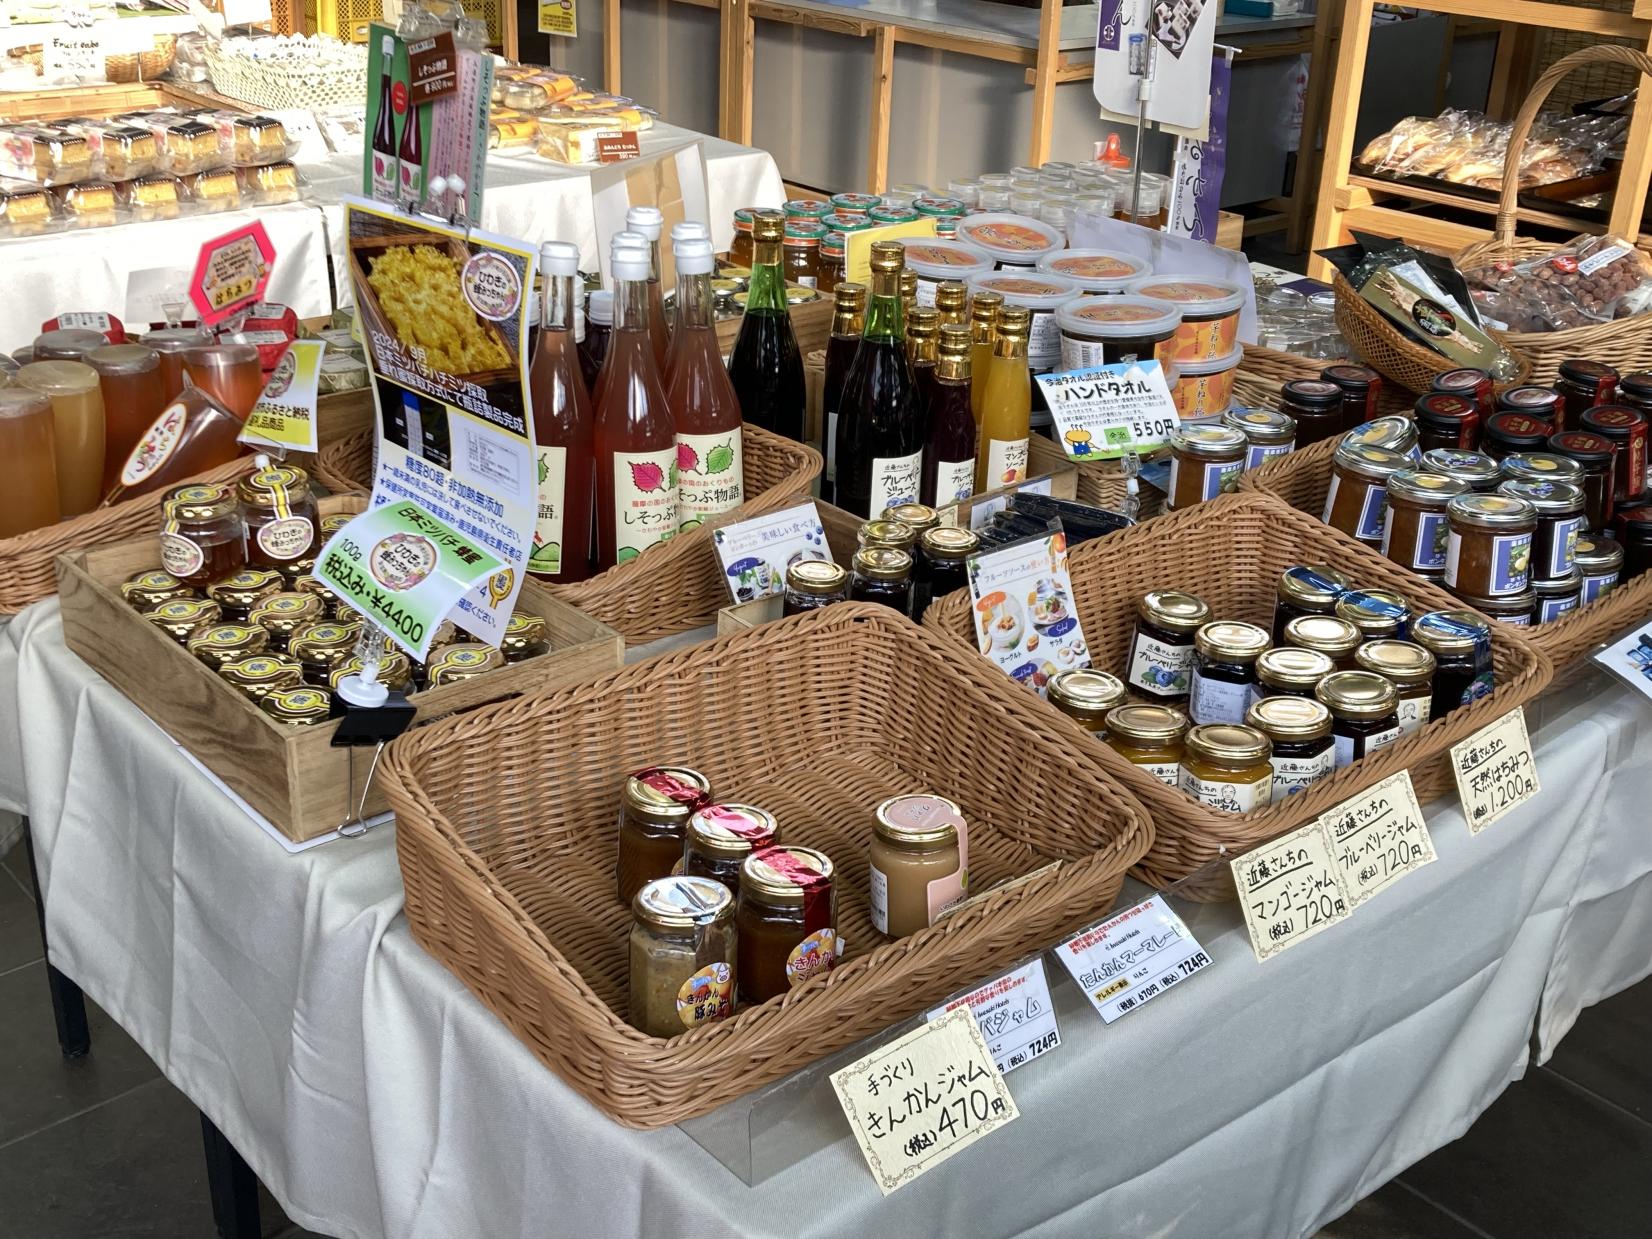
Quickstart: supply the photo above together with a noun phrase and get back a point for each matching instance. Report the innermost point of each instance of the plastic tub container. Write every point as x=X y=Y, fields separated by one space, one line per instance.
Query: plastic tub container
x=935 y=260
x=1204 y=389
x=1095 y=271
x=1097 y=331
x=1010 y=240
x=1210 y=312
x=1043 y=295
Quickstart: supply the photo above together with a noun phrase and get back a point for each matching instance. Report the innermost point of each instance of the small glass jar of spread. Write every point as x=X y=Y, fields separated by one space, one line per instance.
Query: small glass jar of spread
x=1633 y=528
x=800 y=251
x=281 y=614
x=741 y=247
x=1315 y=406
x=1540 y=402
x=1414 y=526
x=1599 y=563
x=178 y=617
x=464 y=660
x=915 y=516
x=832 y=267
x=1634 y=390
x=1358 y=495
x=1359 y=386
x=217 y=644
x=1290 y=671
x=1625 y=428
x=147 y=590
x=203 y=539
x=1227 y=767
x=655 y=805
x=1086 y=696
x=1205 y=461
x=1517 y=609
x=1267 y=434
x=321 y=646
x=1556 y=597
x=1597 y=457
x=281 y=516
x=297 y=707
x=1447 y=421
x=1461 y=644
x=942 y=564
x=314 y=585
x=296 y=570
x=258 y=675
x=812 y=584
x=1161 y=650
x=886 y=531
x=787 y=917
x=1299 y=728
x=1560 y=519
x=1364 y=713
x=1397 y=434
x=1224 y=671
x=1377 y=613
x=1307 y=589
x=916 y=867
x=682 y=955
x=719 y=837
x=1509 y=432
x=1582 y=385
x=526 y=636
x=1335 y=638
x=240 y=591
x=395 y=671
x=1149 y=737
x=1475 y=470
x=1541 y=467
x=882 y=574
x=1489 y=546
x=1410 y=669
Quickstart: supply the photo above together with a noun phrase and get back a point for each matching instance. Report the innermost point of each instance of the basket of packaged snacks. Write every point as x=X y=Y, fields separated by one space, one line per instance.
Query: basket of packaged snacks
x=514 y=867
x=676 y=586
x=1216 y=569
x=1587 y=298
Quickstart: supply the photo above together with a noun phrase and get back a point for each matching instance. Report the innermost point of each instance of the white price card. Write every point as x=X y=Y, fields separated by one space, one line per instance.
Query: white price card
x=1379 y=836
x=755 y=554
x=923 y=1097
x=1495 y=770
x=1132 y=958
x=1103 y=412
x=1290 y=889
x=1014 y=1013
x=982 y=511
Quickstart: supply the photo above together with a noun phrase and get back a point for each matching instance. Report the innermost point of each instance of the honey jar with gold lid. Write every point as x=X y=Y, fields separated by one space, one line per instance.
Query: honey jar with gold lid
x=203 y=539
x=395 y=671
x=217 y=644
x=295 y=570
x=240 y=591
x=1085 y=696
x=147 y=590
x=178 y=617
x=526 y=636
x=461 y=661
x=315 y=585
x=281 y=614
x=298 y=707
x=916 y=864
x=257 y=675
x=281 y=517
x=321 y=645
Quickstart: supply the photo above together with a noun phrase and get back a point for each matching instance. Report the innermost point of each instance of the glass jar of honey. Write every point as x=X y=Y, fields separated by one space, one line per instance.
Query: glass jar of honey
x=916 y=870
x=655 y=805
x=258 y=675
x=683 y=948
x=1489 y=544
x=281 y=516
x=180 y=617
x=1085 y=696
x=1299 y=728
x=1224 y=671
x=1358 y=495
x=1161 y=650
x=304 y=706
x=395 y=671
x=740 y=248
x=283 y=613
x=1377 y=613
x=1149 y=737
x=812 y=584
x=831 y=269
x=239 y=592
x=1307 y=589
x=320 y=646
x=146 y=590
x=526 y=636
x=217 y=644
x=1227 y=767
x=1364 y=713
x=719 y=837
x=1410 y=669
x=786 y=915
x=1414 y=527
x=203 y=539
x=463 y=660
x=1329 y=635
x=800 y=251
x=1290 y=671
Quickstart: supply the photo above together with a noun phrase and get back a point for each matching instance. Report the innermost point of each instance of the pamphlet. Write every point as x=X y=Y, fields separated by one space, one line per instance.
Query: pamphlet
x=756 y=553
x=1025 y=617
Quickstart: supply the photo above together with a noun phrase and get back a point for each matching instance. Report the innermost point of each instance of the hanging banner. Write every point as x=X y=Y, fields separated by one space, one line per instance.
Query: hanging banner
x=1173 y=53
x=1196 y=188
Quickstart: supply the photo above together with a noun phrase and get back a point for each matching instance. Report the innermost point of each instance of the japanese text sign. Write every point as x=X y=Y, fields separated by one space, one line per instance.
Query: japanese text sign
x=1131 y=958
x=1025 y=618
x=1102 y=412
x=1290 y=889
x=432 y=68
x=1014 y=1013
x=755 y=553
x=1378 y=837
x=1495 y=770
x=231 y=273
x=285 y=415
x=559 y=17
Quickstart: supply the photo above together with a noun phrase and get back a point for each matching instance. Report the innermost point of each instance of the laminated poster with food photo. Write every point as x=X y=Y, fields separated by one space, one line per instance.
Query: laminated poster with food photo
x=1025 y=617
x=444 y=317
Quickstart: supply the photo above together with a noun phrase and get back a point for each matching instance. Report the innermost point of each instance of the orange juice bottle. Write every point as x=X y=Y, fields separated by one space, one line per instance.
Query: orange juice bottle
x=1006 y=404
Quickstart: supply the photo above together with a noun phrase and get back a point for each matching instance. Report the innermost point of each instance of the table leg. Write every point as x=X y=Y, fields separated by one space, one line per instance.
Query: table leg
x=232 y=1185
x=74 y=1038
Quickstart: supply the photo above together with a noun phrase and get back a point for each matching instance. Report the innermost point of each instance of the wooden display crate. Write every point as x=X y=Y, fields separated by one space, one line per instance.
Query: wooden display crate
x=811 y=321
x=291 y=775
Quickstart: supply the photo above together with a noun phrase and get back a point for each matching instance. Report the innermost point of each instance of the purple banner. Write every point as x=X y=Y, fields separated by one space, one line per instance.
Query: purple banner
x=1197 y=196
x=1109 y=21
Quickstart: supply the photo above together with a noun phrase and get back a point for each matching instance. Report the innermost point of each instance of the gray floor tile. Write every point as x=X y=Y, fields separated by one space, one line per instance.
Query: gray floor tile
x=1395 y=1212
x=1606 y=1051
x=16 y=863
x=19 y=925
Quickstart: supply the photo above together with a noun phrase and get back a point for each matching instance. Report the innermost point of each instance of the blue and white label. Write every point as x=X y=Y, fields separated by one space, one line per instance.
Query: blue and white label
x=1551 y=609
x=1562 y=546
x=1595 y=586
x=1259 y=454
x=1511 y=563
x=1428 y=552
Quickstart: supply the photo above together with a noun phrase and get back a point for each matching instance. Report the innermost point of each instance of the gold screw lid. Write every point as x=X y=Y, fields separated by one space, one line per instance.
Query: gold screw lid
x=950 y=296
x=983 y=307
x=1358 y=694
x=1231 y=640
x=923 y=320
x=682 y=901
x=887 y=532
x=1150 y=725
x=917 y=820
x=819 y=578
x=462 y=661
x=221 y=643
x=275 y=485
x=526 y=634
x=955 y=341
x=199 y=502
x=1420 y=486
x=732 y=830
x=298 y=707
x=1014 y=321
x=949 y=542
x=1085 y=694
x=1289 y=718
x=323 y=637
x=150 y=589
x=917 y=516
x=1325 y=633
x=314 y=585
x=1228 y=744
x=1449 y=632
x=179 y=617
x=1291 y=666
x=335 y=522
x=850 y=297
x=887 y=256
x=767 y=224
x=1371 y=611
x=1367 y=460
x=1173 y=610
x=1312 y=587
x=1492 y=511
x=283 y=612
x=780 y=875
x=244 y=588
x=1404 y=662
x=883 y=563
x=665 y=795
x=909 y=281
x=257 y=674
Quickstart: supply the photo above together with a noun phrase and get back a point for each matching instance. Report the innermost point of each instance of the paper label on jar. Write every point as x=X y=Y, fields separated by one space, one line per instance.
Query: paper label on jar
x=954 y=481
x=1259 y=454
x=1220 y=478
x=550 y=469
x=84 y=320
x=1593 y=586
x=1548 y=609
x=1225 y=796
x=1346 y=751
x=645 y=501
x=1166 y=772
x=926 y=292
x=1044 y=341
x=1413 y=713
x=1511 y=562
x=943 y=893
x=709 y=477
x=895 y=480
x=287 y=538
x=815 y=954
x=1297 y=774
x=1217 y=701
x=156 y=446
x=1371 y=512
x=1159 y=669
x=1081 y=354
x=180 y=556
x=1563 y=547
x=706 y=996
x=1330 y=498
x=1006 y=462
x=1429 y=550
x=877 y=896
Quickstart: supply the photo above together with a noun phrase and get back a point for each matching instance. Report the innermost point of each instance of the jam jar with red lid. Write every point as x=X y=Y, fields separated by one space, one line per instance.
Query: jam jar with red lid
x=1633 y=527
x=1359 y=386
x=1513 y=431
x=1469 y=383
x=1445 y=420
x=1541 y=402
x=1626 y=428
x=1596 y=456
x=1634 y=390
x=1317 y=407
x=1584 y=384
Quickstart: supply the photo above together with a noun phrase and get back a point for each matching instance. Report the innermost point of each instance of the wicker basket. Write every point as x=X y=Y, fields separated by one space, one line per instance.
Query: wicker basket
x=142 y=66
x=1100 y=482
x=1230 y=552
x=277 y=85
x=1627 y=342
x=28 y=562
x=671 y=589
x=506 y=840
x=1265 y=370
x=1413 y=366
x=1301 y=480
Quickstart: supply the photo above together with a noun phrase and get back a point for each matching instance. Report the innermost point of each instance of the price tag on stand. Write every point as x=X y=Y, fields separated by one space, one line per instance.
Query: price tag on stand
x=1014 y=1013
x=1290 y=889
x=559 y=17
x=432 y=68
x=231 y=273
x=1103 y=412
x=923 y=1097
x=1378 y=837
x=285 y=415
x=1132 y=958
x=1495 y=770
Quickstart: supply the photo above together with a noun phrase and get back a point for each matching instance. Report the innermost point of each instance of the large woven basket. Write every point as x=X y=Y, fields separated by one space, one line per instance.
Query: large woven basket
x=1301 y=480
x=673 y=588
x=1100 y=482
x=1263 y=371
x=1413 y=366
x=505 y=832
x=28 y=562
x=1230 y=552
x=1626 y=342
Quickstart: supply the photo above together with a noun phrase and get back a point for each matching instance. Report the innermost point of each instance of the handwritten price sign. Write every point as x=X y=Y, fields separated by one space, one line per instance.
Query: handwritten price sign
x=232 y=273
x=1495 y=770
x=1378 y=837
x=1290 y=889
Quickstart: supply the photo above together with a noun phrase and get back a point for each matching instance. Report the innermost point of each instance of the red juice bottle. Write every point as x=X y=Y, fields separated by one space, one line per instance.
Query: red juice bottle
x=561 y=426
x=647 y=221
x=949 y=455
x=709 y=461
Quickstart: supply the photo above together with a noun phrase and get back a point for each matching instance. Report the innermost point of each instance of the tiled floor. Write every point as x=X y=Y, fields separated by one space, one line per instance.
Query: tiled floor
x=104 y=1146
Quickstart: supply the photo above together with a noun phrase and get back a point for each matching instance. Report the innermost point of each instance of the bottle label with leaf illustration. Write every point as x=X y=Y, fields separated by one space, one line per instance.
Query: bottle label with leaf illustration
x=709 y=476
x=550 y=470
x=645 y=500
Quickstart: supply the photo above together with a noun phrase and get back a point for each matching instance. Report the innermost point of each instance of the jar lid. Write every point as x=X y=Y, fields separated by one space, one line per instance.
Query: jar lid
x=1289 y=718
x=1231 y=639
x=843 y=221
x=1083 y=693
x=732 y=830
x=181 y=616
x=395 y=669
x=274 y=485
x=285 y=611
x=1118 y=317
x=1474 y=468
x=1504 y=605
x=1589 y=373
x=1542 y=467
x=1313 y=586
x=243 y=588
x=1010 y=238
x=818 y=578
x=1420 y=486
x=1291 y=666
x=23 y=402
x=314 y=585
x=1584 y=446
x=916 y=516
x=297 y=707
x=58 y=378
x=1313 y=393
x=1351 y=378
x=1518 y=430
x=462 y=661
x=804 y=231
x=1397 y=434
x=1261 y=425
x=1530 y=399
x=1597 y=555
x=1198 y=296
x=1490 y=511
x=1462 y=379
x=682 y=901
x=324 y=640
x=918 y=820
x=860 y=203
x=1173 y=610
x=887 y=532
x=1228 y=744
x=200 y=502
x=1444 y=406
x=1365 y=460
x=1326 y=633
x=1034 y=290
x=1634 y=518
x=122 y=359
x=666 y=794
x=599 y=306
x=221 y=642
x=262 y=671
x=221 y=353
x=949 y=542
x=1560 y=586
x=1209 y=442
x=174 y=339
x=1403 y=661
x=1095 y=271
x=1450 y=632
x=153 y=587
x=883 y=563
x=524 y=627
x=1638 y=384
x=808 y=208
x=781 y=875
x=1368 y=609
x=1358 y=694
x=1549 y=498
x=1613 y=421
x=1153 y=725
x=891 y=213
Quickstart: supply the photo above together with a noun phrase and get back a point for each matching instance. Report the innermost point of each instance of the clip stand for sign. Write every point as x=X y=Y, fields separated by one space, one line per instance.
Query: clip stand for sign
x=1130 y=463
x=373 y=715
x=1142 y=69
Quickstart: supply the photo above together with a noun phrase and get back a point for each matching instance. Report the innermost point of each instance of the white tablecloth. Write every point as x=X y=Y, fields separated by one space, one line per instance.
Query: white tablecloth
x=376 y=1097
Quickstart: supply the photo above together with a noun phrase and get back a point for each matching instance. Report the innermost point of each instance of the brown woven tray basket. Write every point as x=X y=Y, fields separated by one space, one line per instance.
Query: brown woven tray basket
x=1230 y=552
x=505 y=831
x=1302 y=479
x=1413 y=366
x=673 y=588
x=1265 y=370
x=1100 y=482
x=28 y=562
x=1626 y=342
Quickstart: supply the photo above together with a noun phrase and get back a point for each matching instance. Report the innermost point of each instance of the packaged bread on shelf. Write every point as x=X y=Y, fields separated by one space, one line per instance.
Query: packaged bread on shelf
x=251 y=141
x=580 y=139
x=509 y=128
x=125 y=151
x=187 y=147
x=45 y=155
x=88 y=203
x=25 y=210
x=269 y=184
x=216 y=190
x=150 y=197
